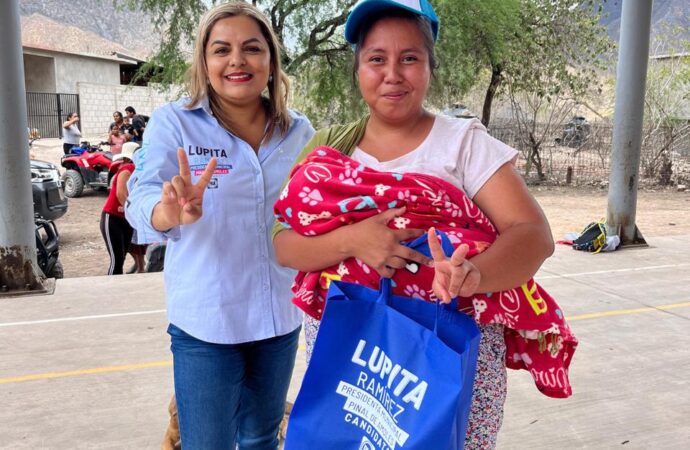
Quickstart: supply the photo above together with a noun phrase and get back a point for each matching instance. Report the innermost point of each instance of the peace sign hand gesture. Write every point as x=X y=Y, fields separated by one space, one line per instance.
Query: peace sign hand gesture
x=181 y=200
x=455 y=275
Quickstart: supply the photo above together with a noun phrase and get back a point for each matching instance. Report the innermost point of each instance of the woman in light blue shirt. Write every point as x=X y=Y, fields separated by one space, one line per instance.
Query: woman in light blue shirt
x=210 y=168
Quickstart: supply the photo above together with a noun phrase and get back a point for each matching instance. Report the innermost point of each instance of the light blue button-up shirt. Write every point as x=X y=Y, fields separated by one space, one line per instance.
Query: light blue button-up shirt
x=221 y=279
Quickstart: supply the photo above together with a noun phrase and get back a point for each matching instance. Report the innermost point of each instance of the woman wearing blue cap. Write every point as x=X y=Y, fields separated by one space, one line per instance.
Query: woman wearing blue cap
x=394 y=63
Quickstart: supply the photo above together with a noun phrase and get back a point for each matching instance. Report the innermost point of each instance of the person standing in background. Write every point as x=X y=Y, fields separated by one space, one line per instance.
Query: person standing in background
x=138 y=252
x=71 y=134
x=116 y=139
x=127 y=128
x=116 y=231
x=138 y=124
x=118 y=120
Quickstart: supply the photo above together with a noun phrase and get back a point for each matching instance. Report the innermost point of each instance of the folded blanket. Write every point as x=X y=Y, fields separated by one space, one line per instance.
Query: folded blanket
x=328 y=190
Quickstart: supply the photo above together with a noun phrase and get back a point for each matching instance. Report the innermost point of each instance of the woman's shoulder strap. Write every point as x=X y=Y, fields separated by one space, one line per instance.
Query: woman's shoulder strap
x=342 y=137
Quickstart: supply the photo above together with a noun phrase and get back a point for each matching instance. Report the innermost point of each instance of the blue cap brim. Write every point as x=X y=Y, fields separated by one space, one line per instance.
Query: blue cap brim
x=360 y=12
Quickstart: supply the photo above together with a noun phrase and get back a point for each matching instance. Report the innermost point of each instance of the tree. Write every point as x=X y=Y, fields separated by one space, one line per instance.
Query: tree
x=315 y=54
x=521 y=39
x=528 y=41
x=667 y=105
x=476 y=37
x=537 y=117
x=550 y=69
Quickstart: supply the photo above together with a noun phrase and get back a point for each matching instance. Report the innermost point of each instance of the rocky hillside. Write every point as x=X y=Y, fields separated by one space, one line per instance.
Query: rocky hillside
x=132 y=30
x=665 y=14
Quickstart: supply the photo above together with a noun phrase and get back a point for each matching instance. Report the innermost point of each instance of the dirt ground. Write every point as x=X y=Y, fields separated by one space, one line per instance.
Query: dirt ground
x=659 y=212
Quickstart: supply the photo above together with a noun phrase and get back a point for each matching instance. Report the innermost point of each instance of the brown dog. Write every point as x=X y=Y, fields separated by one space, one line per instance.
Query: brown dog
x=171 y=440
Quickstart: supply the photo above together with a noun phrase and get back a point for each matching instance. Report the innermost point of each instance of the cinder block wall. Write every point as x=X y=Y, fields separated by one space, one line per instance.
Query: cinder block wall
x=99 y=101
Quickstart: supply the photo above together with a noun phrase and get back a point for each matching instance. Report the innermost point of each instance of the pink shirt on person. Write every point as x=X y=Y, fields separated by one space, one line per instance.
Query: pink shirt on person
x=116 y=143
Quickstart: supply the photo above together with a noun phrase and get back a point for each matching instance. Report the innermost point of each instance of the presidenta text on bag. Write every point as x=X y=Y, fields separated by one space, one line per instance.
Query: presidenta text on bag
x=370 y=398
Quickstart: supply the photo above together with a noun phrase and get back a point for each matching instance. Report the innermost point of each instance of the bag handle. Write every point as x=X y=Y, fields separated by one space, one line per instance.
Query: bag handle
x=421 y=244
x=438 y=308
x=452 y=306
x=386 y=291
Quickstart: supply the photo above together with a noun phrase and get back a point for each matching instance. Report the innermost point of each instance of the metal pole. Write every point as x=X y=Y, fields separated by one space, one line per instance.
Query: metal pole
x=631 y=75
x=18 y=268
x=59 y=116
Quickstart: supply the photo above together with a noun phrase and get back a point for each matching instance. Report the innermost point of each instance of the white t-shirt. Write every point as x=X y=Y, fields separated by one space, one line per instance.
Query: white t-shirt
x=459 y=151
x=71 y=135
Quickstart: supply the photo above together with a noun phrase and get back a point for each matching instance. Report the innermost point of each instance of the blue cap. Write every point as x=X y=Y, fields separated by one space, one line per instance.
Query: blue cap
x=366 y=7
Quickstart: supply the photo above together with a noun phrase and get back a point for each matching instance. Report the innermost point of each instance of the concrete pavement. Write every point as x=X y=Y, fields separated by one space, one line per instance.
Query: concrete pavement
x=89 y=368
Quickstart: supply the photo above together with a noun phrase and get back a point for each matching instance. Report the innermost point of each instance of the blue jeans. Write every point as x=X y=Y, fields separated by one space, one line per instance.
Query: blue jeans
x=231 y=395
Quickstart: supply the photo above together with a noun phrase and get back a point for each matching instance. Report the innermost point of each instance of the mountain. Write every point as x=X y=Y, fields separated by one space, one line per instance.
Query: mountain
x=133 y=30
x=666 y=14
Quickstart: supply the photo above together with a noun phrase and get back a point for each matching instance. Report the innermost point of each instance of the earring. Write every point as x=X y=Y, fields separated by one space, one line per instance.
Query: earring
x=270 y=78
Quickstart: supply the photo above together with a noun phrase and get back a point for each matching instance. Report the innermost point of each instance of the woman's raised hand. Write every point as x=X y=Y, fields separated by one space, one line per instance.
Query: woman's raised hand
x=181 y=199
x=379 y=246
x=455 y=275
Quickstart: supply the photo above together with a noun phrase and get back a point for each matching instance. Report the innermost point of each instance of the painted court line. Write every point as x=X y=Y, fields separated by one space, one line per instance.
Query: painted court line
x=71 y=373
x=152 y=364
x=158 y=311
x=601 y=272
x=627 y=312
x=68 y=319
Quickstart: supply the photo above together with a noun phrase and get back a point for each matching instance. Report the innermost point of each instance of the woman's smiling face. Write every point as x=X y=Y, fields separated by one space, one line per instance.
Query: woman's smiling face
x=394 y=71
x=237 y=60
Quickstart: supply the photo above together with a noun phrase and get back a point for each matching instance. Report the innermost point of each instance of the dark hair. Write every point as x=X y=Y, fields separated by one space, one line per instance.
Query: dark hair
x=422 y=24
x=118 y=113
x=129 y=109
x=69 y=116
x=114 y=126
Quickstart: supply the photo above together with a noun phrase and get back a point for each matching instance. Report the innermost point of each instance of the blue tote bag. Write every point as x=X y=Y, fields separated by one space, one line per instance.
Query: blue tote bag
x=387 y=373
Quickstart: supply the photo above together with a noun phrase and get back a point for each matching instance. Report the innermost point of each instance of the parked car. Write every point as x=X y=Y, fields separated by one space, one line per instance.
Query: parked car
x=48 y=248
x=49 y=198
x=50 y=203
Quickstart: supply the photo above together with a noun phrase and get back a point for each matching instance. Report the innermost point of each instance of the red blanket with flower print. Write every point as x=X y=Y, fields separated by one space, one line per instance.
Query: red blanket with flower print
x=328 y=190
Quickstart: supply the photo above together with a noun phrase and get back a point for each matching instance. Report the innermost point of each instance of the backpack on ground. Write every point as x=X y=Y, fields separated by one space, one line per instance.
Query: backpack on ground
x=592 y=239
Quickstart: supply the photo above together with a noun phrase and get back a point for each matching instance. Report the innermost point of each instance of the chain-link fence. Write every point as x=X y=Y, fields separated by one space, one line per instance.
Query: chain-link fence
x=579 y=153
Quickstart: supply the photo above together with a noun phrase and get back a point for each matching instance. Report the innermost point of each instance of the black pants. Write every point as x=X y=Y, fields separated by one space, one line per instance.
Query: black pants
x=117 y=234
x=66 y=148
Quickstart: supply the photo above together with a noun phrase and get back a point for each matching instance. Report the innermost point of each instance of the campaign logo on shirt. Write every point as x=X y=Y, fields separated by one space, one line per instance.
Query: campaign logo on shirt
x=221 y=169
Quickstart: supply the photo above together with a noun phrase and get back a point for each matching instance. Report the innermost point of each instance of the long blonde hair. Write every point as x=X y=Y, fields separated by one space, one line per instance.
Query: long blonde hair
x=278 y=84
